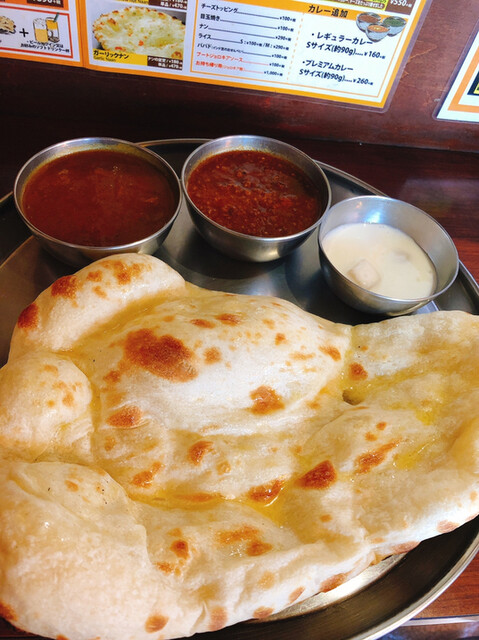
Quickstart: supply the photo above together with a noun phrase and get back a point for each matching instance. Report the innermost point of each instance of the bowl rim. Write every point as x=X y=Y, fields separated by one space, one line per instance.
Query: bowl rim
x=246 y=236
x=87 y=141
x=379 y=296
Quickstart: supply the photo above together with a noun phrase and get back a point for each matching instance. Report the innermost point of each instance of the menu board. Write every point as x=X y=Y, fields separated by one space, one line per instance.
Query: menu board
x=350 y=52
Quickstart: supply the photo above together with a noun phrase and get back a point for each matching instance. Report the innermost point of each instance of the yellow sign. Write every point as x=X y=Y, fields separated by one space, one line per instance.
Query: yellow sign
x=462 y=100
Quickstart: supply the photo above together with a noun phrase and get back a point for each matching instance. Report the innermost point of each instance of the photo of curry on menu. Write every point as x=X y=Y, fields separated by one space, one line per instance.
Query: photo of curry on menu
x=137 y=34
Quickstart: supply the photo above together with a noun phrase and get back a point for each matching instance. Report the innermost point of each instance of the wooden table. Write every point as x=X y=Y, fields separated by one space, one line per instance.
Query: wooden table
x=444 y=183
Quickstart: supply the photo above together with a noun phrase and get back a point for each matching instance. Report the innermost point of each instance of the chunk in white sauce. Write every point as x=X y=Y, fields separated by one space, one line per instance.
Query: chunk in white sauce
x=364 y=274
x=382 y=259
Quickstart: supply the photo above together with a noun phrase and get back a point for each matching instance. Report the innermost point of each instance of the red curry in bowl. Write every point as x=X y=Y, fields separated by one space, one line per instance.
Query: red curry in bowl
x=255 y=193
x=98 y=198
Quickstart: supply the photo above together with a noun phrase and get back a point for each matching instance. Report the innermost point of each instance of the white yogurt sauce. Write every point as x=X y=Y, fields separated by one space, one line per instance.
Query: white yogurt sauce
x=382 y=259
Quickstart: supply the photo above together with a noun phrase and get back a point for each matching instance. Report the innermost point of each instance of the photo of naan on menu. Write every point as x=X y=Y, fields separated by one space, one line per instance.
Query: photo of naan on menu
x=175 y=460
x=6 y=25
x=141 y=30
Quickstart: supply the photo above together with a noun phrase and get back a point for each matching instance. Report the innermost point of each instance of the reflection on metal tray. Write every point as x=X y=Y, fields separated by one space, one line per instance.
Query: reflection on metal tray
x=384 y=596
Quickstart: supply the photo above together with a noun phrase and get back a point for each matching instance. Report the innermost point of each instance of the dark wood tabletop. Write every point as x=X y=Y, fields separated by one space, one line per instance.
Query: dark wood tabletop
x=443 y=183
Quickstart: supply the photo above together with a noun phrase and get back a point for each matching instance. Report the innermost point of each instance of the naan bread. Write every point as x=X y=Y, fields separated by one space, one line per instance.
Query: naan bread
x=6 y=25
x=141 y=30
x=176 y=460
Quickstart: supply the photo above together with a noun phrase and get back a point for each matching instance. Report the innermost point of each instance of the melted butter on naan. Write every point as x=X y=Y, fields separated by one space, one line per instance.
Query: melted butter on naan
x=179 y=460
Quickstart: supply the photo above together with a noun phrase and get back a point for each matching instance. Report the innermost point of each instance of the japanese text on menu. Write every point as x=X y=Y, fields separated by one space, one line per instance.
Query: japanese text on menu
x=335 y=50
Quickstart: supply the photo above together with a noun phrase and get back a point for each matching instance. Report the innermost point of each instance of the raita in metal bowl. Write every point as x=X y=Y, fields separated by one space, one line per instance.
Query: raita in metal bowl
x=385 y=256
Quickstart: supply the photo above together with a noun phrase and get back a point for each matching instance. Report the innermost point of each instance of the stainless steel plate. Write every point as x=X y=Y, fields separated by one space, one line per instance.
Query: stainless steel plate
x=384 y=596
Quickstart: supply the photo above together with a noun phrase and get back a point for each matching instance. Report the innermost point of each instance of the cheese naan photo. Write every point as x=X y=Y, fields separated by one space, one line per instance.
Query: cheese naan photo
x=176 y=460
x=141 y=30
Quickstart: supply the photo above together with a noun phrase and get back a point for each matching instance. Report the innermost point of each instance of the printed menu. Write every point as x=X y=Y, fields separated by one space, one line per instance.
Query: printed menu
x=350 y=52
x=43 y=30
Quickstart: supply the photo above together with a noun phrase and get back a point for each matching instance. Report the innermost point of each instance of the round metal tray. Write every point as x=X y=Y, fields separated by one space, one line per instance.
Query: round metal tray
x=385 y=595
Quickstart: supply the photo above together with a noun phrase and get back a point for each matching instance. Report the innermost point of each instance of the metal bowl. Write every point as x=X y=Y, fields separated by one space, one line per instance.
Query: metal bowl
x=79 y=255
x=420 y=226
x=239 y=245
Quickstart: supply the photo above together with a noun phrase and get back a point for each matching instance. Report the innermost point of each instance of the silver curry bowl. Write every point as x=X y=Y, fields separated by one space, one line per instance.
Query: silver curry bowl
x=79 y=255
x=241 y=246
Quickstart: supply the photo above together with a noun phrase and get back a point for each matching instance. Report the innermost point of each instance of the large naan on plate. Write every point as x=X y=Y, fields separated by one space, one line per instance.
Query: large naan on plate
x=175 y=460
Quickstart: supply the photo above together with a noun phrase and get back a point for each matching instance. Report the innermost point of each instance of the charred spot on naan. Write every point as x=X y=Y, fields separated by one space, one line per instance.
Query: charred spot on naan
x=367 y=461
x=265 y=400
x=125 y=274
x=322 y=476
x=265 y=494
x=156 y=623
x=29 y=317
x=164 y=356
x=66 y=287
x=126 y=417
x=334 y=582
x=180 y=548
x=202 y=323
x=295 y=595
x=357 y=371
x=96 y=275
x=332 y=352
x=263 y=612
x=144 y=479
x=218 y=619
x=231 y=319
x=245 y=540
x=267 y=580
x=199 y=450
x=212 y=355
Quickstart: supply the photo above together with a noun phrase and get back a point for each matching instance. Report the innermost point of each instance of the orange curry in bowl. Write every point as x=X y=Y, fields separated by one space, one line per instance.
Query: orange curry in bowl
x=98 y=198
x=255 y=193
